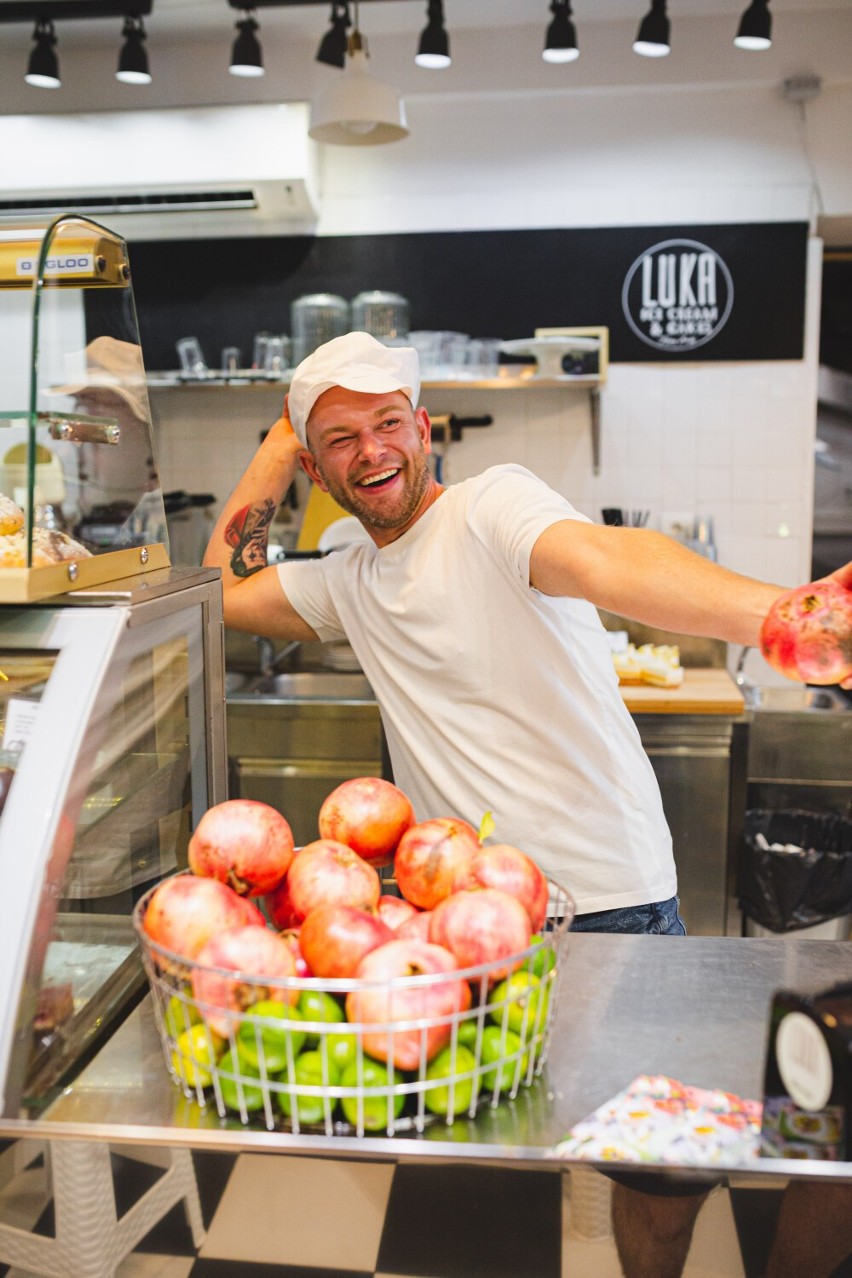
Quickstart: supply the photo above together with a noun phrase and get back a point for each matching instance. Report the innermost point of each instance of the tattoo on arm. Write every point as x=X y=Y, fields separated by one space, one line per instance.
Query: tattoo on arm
x=247 y=533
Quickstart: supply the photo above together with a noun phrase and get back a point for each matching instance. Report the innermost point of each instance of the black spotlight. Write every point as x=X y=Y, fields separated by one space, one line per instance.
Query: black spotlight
x=133 y=59
x=332 y=47
x=434 y=48
x=652 y=38
x=755 y=27
x=560 y=43
x=43 y=69
x=246 y=55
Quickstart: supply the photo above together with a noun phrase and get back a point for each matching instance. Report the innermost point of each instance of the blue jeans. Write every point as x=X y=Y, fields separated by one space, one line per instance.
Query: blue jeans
x=658 y=919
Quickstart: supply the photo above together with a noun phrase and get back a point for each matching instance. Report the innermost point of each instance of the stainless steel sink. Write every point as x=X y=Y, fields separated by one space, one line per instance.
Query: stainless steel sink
x=306 y=685
x=798 y=697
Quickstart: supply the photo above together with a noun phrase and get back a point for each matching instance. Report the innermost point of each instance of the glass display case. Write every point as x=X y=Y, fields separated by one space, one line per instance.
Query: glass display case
x=80 y=497
x=112 y=745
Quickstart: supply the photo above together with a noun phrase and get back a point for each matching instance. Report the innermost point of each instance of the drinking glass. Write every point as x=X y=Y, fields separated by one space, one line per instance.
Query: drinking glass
x=230 y=359
x=191 y=356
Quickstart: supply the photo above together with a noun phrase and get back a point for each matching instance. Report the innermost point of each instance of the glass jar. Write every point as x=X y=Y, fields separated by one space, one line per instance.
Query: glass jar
x=316 y=318
x=382 y=315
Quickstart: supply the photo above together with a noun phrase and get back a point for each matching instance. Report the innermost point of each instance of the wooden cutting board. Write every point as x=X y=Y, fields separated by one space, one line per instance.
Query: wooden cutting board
x=703 y=691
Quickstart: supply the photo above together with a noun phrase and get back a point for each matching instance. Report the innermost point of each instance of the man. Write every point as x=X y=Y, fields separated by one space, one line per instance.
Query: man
x=472 y=610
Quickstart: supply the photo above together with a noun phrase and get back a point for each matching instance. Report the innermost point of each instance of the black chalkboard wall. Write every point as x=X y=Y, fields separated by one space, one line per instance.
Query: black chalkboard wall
x=495 y=284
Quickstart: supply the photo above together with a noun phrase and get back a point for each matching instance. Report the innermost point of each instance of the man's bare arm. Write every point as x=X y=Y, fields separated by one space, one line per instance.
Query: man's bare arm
x=252 y=594
x=649 y=577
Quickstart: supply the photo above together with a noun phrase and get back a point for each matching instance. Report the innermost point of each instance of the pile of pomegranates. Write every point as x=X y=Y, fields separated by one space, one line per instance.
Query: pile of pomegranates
x=284 y=974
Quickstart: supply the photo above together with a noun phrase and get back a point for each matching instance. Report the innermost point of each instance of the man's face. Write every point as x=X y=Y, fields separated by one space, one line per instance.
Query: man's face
x=369 y=452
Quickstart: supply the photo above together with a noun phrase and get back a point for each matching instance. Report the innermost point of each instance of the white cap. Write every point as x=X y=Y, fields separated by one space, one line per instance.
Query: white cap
x=357 y=362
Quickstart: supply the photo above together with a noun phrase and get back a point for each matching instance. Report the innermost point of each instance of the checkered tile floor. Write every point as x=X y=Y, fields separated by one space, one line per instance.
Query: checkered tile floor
x=273 y=1216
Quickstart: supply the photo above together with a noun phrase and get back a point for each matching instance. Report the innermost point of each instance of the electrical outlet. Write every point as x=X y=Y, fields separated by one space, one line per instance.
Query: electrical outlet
x=678 y=524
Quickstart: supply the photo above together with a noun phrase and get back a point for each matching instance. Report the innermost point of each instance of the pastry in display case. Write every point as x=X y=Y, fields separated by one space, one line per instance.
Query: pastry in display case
x=112 y=746
x=80 y=496
x=112 y=708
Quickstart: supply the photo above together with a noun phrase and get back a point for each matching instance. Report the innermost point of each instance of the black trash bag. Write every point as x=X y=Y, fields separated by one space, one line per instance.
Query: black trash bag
x=796 y=868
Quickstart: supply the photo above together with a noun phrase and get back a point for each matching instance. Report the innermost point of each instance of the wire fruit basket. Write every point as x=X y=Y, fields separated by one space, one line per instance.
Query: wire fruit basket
x=293 y=1060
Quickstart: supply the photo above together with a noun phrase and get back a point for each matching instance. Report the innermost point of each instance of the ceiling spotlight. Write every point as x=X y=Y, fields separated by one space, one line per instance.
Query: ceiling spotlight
x=560 y=43
x=246 y=56
x=332 y=48
x=434 y=48
x=652 y=38
x=357 y=110
x=43 y=69
x=133 y=59
x=755 y=27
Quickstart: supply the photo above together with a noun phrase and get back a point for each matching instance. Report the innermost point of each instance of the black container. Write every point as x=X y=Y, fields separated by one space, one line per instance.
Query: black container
x=796 y=868
x=807 y=1091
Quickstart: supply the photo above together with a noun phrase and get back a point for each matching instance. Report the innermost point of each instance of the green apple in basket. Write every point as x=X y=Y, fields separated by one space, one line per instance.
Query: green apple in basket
x=443 y=1069
x=310 y=1071
x=520 y=1003
x=270 y=1030
x=371 y=1109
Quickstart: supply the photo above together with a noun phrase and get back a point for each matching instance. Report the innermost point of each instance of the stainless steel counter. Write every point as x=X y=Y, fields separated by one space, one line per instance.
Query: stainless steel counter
x=696 y=1010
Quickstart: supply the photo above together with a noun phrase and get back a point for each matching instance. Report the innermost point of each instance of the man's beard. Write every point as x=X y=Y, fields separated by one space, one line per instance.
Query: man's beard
x=416 y=475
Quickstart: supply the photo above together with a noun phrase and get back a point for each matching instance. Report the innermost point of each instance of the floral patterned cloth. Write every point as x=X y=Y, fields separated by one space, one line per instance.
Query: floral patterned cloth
x=659 y=1120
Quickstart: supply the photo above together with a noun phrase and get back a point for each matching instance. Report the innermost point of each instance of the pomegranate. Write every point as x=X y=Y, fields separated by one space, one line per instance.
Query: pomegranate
x=395 y=910
x=807 y=633
x=253 y=954
x=280 y=907
x=369 y=815
x=291 y=936
x=508 y=868
x=482 y=925
x=185 y=911
x=381 y=1001
x=334 y=938
x=417 y=926
x=243 y=843
x=433 y=859
x=326 y=871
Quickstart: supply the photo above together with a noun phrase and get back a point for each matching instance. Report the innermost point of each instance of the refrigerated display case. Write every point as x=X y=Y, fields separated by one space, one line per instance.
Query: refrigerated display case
x=80 y=496
x=112 y=745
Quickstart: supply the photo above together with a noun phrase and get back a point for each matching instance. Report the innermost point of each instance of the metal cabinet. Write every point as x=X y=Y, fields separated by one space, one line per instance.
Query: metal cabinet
x=699 y=762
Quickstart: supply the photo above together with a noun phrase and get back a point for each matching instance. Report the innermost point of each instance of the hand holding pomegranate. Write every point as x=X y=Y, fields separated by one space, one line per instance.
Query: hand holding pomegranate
x=807 y=633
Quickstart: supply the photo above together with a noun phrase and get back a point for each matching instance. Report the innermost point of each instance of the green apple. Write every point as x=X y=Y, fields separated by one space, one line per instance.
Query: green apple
x=310 y=1071
x=195 y=1053
x=266 y=1030
x=373 y=1110
x=468 y=1031
x=497 y=1044
x=543 y=960
x=245 y=1091
x=341 y=1046
x=521 y=1003
x=446 y=1065
x=317 y=1005
x=181 y=1013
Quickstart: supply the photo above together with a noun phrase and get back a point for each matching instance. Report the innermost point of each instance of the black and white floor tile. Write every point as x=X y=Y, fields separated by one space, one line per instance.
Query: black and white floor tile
x=275 y=1216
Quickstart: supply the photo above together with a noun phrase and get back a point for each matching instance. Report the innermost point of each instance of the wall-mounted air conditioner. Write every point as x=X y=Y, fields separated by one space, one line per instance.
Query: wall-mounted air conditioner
x=201 y=172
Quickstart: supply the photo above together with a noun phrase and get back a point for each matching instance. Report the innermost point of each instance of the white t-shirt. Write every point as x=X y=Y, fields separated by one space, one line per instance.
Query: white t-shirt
x=494 y=696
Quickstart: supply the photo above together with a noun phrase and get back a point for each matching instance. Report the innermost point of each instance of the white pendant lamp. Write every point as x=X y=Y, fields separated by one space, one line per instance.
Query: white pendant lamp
x=357 y=110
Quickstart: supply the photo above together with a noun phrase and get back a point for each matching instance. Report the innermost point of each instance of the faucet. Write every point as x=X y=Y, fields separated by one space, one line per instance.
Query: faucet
x=741 y=679
x=268 y=658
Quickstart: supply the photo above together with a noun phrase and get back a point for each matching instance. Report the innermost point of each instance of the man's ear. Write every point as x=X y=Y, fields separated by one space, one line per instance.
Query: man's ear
x=424 y=428
x=309 y=466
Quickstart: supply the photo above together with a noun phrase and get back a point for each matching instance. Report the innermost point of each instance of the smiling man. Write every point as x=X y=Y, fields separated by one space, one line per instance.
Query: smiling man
x=473 y=612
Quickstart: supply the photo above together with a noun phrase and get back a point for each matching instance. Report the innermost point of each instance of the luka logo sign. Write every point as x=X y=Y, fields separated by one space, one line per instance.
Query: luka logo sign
x=677 y=295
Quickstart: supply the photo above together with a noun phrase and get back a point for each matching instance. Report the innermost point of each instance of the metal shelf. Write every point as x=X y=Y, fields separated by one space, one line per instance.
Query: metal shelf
x=249 y=380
